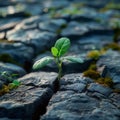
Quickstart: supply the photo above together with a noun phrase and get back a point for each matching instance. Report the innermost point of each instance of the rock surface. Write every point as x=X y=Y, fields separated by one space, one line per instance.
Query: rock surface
x=28 y=30
x=30 y=98
x=112 y=66
x=73 y=102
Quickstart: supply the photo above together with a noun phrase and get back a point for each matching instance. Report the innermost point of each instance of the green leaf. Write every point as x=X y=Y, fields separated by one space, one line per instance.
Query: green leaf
x=73 y=59
x=54 y=51
x=42 y=62
x=17 y=83
x=62 y=45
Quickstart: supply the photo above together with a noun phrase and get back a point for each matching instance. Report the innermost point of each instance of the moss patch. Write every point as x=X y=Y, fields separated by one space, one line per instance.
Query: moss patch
x=5 y=89
x=95 y=54
x=113 y=46
x=105 y=81
x=95 y=75
x=111 y=5
x=92 y=74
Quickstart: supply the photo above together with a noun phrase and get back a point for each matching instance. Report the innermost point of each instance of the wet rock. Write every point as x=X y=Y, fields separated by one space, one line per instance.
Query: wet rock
x=69 y=104
x=1 y=84
x=37 y=39
x=77 y=87
x=74 y=30
x=87 y=14
x=71 y=108
x=2 y=35
x=91 y=42
x=55 y=4
x=8 y=23
x=10 y=69
x=27 y=101
x=99 y=28
x=40 y=41
x=115 y=98
x=112 y=68
x=54 y=25
x=41 y=79
x=74 y=78
x=25 y=52
x=74 y=82
x=94 y=87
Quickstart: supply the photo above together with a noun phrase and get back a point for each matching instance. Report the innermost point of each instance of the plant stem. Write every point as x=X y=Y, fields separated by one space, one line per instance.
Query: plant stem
x=60 y=70
x=59 y=64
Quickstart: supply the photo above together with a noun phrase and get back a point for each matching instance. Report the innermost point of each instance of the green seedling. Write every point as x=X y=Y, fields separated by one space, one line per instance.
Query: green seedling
x=61 y=46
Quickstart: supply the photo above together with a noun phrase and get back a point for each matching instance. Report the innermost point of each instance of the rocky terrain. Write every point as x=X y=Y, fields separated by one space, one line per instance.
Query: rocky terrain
x=86 y=91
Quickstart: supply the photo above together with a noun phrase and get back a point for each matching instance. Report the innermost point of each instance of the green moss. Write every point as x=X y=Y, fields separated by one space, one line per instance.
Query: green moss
x=109 y=6
x=113 y=46
x=112 y=5
x=105 y=81
x=5 y=89
x=93 y=67
x=91 y=74
x=95 y=54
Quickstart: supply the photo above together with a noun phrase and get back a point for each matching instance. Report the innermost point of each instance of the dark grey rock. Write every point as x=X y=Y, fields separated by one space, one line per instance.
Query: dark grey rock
x=18 y=51
x=1 y=84
x=9 y=119
x=112 y=67
x=115 y=98
x=71 y=108
x=117 y=86
x=10 y=69
x=54 y=25
x=77 y=87
x=74 y=30
x=43 y=41
x=94 y=87
x=28 y=100
x=9 y=23
x=55 y=4
x=97 y=95
x=35 y=38
x=74 y=78
x=92 y=42
x=41 y=79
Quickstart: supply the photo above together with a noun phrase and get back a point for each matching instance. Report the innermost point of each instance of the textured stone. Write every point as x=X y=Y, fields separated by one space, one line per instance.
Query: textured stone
x=18 y=51
x=28 y=100
x=37 y=39
x=41 y=79
x=70 y=108
x=10 y=69
x=54 y=25
x=74 y=30
x=94 y=87
x=111 y=62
